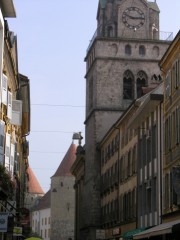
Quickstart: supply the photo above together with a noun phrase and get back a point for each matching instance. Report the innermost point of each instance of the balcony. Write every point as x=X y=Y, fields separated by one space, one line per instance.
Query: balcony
x=163 y=36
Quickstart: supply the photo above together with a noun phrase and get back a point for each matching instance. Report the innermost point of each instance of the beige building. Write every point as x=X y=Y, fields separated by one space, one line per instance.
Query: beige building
x=119 y=177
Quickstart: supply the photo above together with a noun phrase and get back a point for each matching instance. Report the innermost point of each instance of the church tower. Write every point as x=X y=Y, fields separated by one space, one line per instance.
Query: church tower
x=121 y=60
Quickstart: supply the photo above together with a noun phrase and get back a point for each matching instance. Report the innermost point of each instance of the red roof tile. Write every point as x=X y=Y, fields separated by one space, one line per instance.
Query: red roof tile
x=66 y=163
x=33 y=184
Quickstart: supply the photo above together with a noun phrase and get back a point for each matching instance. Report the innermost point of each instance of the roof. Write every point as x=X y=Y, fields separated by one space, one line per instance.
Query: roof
x=33 y=184
x=44 y=202
x=7 y=8
x=173 y=46
x=67 y=162
x=154 y=6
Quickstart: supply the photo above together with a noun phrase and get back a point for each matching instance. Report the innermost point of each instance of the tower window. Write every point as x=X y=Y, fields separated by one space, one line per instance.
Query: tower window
x=128 y=85
x=155 y=51
x=110 y=31
x=142 y=50
x=141 y=82
x=128 y=49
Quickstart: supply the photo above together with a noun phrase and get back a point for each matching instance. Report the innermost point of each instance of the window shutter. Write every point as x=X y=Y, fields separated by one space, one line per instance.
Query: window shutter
x=2 y=124
x=9 y=107
x=12 y=159
x=16 y=112
x=7 y=151
x=4 y=85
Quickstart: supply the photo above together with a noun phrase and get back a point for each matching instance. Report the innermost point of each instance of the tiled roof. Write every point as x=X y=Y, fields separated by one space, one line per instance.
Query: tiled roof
x=66 y=163
x=44 y=202
x=33 y=184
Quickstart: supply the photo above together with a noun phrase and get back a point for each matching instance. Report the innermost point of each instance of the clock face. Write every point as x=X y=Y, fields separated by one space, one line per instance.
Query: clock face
x=133 y=18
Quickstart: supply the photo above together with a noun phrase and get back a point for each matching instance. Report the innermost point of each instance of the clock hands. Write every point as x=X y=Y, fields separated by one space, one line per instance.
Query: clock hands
x=132 y=17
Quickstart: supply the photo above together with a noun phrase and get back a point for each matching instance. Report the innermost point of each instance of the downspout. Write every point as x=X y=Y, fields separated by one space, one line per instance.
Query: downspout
x=161 y=160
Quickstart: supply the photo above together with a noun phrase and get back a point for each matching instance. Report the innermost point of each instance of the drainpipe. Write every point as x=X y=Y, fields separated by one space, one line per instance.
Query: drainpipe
x=161 y=160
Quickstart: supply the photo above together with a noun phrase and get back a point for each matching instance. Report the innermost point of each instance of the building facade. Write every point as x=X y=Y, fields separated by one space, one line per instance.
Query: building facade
x=119 y=177
x=14 y=125
x=170 y=170
x=121 y=60
x=41 y=217
x=170 y=65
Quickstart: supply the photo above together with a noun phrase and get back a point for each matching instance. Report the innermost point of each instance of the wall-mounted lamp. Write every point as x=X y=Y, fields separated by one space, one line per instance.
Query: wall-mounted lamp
x=77 y=136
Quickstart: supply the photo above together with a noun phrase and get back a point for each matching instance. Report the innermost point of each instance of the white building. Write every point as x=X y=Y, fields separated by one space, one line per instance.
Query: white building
x=41 y=217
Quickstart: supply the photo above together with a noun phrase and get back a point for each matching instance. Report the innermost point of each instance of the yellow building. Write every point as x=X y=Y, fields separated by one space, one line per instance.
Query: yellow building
x=170 y=216
x=14 y=124
x=170 y=66
x=118 y=177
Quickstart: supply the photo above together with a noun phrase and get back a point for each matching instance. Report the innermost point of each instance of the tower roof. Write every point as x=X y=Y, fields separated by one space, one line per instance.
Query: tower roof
x=66 y=163
x=33 y=184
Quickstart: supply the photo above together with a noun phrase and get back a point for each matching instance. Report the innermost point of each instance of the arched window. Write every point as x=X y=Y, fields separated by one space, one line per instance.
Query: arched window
x=128 y=49
x=141 y=82
x=155 y=51
x=128 y=85
x=110 y=31
x=142 y=50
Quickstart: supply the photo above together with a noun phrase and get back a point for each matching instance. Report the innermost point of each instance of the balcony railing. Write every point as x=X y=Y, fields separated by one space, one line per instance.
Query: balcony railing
x=163 y=36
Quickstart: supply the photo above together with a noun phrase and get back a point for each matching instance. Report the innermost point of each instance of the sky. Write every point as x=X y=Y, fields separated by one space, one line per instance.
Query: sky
x=53 y=37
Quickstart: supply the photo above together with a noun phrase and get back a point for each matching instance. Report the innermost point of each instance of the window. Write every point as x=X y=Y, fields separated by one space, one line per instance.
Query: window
x=90 y=93
x=142 y=50
x=102 y=157
x=176 y=74
x=128 y=49
x=155 y=51
x=154 y=142
x=134 y=154
x=168 y=84
x=110 y=31
x=128 y=85
x=141 y=82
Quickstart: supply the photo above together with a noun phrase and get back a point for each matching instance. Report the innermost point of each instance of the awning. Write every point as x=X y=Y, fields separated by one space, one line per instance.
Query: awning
x=131 y=233
x=160 y=229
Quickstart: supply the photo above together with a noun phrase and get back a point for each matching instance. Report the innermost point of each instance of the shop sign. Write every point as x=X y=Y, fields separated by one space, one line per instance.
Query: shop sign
x=116 y=231
x=17 y=231
x=3 y=222
x=100 y=234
